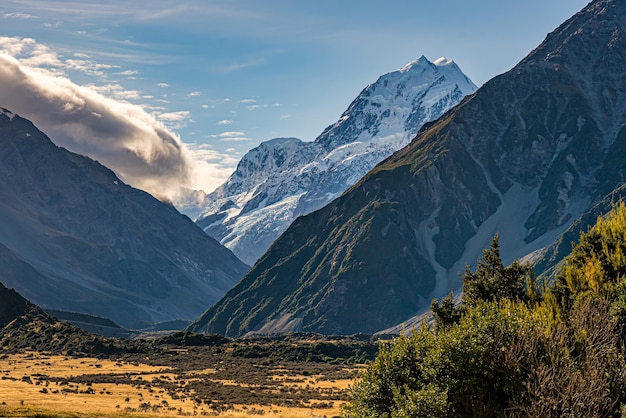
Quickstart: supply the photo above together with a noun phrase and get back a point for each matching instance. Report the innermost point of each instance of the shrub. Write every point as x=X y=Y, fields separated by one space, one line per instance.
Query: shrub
x=511 y=350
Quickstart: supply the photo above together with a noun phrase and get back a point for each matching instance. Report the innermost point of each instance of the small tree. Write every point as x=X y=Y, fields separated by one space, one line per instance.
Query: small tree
x=492 y=281
x=446 y=314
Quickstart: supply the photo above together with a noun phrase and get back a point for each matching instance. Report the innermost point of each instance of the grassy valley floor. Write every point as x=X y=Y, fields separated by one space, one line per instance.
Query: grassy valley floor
x=239 y=379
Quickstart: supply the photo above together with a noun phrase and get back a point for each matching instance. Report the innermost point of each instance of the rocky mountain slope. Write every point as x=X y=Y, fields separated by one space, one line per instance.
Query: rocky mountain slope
x=284 y=178
x=73 y=237
x=525 y=156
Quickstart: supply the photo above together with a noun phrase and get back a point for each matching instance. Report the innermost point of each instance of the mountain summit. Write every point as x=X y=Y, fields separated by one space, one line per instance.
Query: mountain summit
x=73 y=237
x=524 y=157
x=284 y=178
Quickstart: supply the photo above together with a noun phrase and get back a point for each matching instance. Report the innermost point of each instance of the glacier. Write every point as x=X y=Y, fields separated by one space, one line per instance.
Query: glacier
x=284 y=178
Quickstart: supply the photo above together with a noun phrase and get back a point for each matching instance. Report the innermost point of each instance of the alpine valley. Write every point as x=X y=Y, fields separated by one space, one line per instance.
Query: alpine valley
x=527 y=156
x=73 y=237
x=284 y=178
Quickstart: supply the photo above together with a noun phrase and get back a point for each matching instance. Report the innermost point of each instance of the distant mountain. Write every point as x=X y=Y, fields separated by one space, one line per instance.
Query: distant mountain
x=284 y=178
x=73 y=237
x=526 y=155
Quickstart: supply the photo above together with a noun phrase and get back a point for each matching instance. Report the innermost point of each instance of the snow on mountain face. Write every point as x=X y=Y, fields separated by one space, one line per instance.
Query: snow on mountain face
x=400 y=102
x=284 y=178
x=7 y=113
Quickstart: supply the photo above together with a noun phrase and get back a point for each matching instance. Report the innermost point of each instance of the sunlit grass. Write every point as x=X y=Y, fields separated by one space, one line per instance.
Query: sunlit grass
x=36 y=385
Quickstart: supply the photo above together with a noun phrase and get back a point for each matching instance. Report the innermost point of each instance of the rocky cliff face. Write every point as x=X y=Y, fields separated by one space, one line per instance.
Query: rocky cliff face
x=73 y=237
x=524 y=157
x=285 y=178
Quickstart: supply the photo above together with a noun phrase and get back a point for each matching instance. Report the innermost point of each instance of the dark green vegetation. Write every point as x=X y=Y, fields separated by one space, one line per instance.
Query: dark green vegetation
x=24 y=325
x=512 y=347
x=530 y=152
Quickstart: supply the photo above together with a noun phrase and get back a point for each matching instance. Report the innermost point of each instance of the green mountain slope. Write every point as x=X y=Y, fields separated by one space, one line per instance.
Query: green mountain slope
x=525 y=156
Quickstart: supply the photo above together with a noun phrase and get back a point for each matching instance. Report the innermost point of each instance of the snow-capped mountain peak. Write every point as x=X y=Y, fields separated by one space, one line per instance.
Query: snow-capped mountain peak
x=419 y=62
x=285 y=177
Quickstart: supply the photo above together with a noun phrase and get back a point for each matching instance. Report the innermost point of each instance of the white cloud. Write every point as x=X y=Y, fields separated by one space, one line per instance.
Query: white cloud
x=175 y=116
x=164 y=85
x=129 y=72
x=134 y=140
x=245 y=101
x=231 y=134
x=262 y=106
x=128 y=95
x=194 y=94
x=24 y=16
x=32 y=54
x=15 y=46
x=123 y=136
x=211 y=168
x=88 y=67
x=175 y=120
x=117 y=91
x=225 y=122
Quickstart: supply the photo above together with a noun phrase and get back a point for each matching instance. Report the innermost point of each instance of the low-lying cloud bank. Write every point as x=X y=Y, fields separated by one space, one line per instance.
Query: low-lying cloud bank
x=121 y=135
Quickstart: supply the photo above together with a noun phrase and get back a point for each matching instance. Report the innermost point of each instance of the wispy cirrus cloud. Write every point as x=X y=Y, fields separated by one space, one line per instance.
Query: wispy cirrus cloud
x=239 y=66
x=262 y=106
x=17 y=15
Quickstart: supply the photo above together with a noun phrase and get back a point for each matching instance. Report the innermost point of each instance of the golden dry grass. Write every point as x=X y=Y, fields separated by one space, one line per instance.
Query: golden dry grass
x=32 y=384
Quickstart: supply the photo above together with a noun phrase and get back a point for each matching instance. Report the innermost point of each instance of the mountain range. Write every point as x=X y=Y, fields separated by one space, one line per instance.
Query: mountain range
x=284 y=178
x=73 y=237
x=526 y=156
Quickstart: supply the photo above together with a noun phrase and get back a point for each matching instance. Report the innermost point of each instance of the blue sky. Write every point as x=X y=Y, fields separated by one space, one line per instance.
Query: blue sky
x=225 y=75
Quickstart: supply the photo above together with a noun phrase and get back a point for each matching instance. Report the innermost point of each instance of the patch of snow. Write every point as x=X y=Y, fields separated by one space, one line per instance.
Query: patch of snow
x=7 y=113
x=442 y=61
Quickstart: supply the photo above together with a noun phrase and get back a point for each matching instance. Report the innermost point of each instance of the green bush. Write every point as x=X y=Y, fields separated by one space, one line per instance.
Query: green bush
x=512 y=350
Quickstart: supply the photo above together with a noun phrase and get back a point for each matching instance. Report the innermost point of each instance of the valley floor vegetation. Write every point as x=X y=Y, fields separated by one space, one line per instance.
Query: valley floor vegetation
x=514 y=347
x=186 y=375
